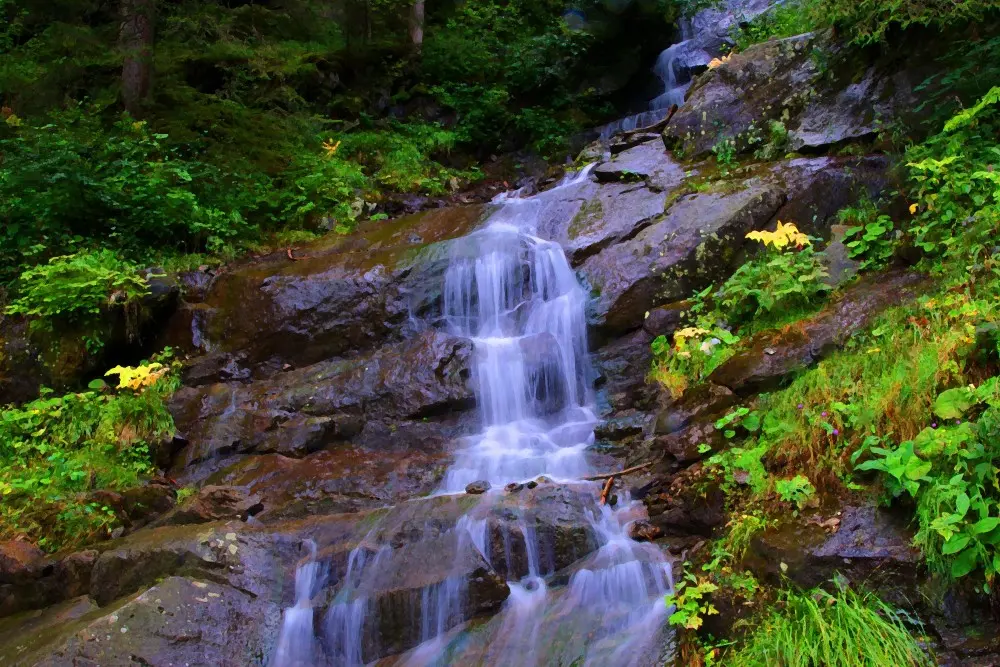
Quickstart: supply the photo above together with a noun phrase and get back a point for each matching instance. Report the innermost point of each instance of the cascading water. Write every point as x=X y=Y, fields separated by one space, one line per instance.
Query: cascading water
x=515 y=295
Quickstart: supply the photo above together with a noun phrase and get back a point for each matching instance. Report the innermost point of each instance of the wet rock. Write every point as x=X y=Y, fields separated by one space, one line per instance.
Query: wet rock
x=701 y=401
x=697 y=242
x=180 y=621
x=19 y=560
x=772 y=357
x=144 y=503
x=546 y=523
x=665 y=320
x=214 y=503
x=621 y=426
x=45 y=582
x=476 y=488
x=622 y=367
x=692 y=443
x=645 y=162
x=823 y=100
x=388 y=399
x=341 y=296
x=513 y=487
x=644 y=531
x=344 y=479
x=688 y=503
x=864 y=544
x=609 y=214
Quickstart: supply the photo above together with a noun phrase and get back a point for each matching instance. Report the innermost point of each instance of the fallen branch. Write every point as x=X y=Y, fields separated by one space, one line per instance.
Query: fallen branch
x=655 y=127
x=627 y=471
x=607 y=490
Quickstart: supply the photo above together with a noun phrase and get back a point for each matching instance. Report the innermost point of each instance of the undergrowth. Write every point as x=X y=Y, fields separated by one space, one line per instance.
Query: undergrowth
x=820 y=629
x=56 y=450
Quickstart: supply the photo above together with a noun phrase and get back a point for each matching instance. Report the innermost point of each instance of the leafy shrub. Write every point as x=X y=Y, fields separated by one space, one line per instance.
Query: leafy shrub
x=695 y=353
x=956 y=193
x=57 y=449
x=785 y=280
x=797 y=490
x=689 y=602
x=77 y=289
x=817 y=628
x=870 y=238
x=69 y=182
x=950 y=471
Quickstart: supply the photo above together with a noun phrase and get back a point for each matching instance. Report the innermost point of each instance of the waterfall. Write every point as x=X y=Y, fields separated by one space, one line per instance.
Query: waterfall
x=516 y=297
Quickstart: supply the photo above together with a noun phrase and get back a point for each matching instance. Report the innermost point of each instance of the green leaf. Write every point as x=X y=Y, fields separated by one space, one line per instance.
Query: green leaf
x=955 y=544
x=917 y=469
x=985 y=525
x=962 y=504
x=964 y=564
x=954 y=403
x=97 y=385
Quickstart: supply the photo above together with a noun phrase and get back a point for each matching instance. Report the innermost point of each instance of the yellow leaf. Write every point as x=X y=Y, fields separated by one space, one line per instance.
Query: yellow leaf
x=913 y=209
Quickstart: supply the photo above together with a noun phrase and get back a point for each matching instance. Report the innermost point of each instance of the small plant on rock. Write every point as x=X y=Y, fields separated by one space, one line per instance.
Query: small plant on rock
x=788 y=279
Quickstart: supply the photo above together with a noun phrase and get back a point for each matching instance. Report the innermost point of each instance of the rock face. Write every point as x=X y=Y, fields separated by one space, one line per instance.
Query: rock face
x=377 y=401
x=822 y=101
x=341 y=296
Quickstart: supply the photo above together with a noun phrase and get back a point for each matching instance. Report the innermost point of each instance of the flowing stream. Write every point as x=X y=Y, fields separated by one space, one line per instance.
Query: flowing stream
x=517 y=298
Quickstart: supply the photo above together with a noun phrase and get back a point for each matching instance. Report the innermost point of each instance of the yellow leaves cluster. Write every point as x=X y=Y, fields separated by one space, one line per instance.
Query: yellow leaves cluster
x=719 y=62
x=330 y=148
x=783 y=236
x=682 y=336
x=138 y=377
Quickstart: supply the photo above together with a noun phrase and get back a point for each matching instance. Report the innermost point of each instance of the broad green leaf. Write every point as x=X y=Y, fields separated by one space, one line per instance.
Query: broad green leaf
x=954 y=403
x=965 y=563
x=985 y=525
x=955 y=544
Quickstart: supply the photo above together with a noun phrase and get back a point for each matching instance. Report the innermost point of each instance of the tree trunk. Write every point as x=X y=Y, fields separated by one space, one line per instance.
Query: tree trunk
x=136 y=41
x=417 y=24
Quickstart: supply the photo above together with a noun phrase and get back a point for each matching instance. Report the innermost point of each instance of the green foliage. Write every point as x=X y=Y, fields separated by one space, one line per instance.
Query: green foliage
x=797 y=490
x=780 y=283
x=690 y=603
x=725 y=155
x=77 y=289
x=57 y=449
x=817 y=628
x=950 y=472
x=869 y=21
x=784 y=19
x=955 y=190
x=870 y=238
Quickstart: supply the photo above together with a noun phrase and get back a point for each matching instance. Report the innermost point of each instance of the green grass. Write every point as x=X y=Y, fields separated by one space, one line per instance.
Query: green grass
x=817 y=629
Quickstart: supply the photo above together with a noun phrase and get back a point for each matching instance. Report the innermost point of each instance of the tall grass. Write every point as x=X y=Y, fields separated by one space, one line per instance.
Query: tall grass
x=818 y=629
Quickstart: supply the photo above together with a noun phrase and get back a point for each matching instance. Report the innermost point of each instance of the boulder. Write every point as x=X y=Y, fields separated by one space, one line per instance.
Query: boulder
x=823 y=93
x=704 y=400
x=695 y=243
x=687 y=445
x=546 y=527
x=338 y=296
x=20 y=560
x=398 y=395
x=476 y=488
x=863 y=543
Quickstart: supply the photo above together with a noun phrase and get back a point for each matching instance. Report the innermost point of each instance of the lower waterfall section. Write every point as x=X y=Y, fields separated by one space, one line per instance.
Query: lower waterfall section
x=534 y=572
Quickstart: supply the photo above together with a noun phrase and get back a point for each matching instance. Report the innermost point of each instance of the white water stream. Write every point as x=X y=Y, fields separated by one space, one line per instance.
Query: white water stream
x=515 y=295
